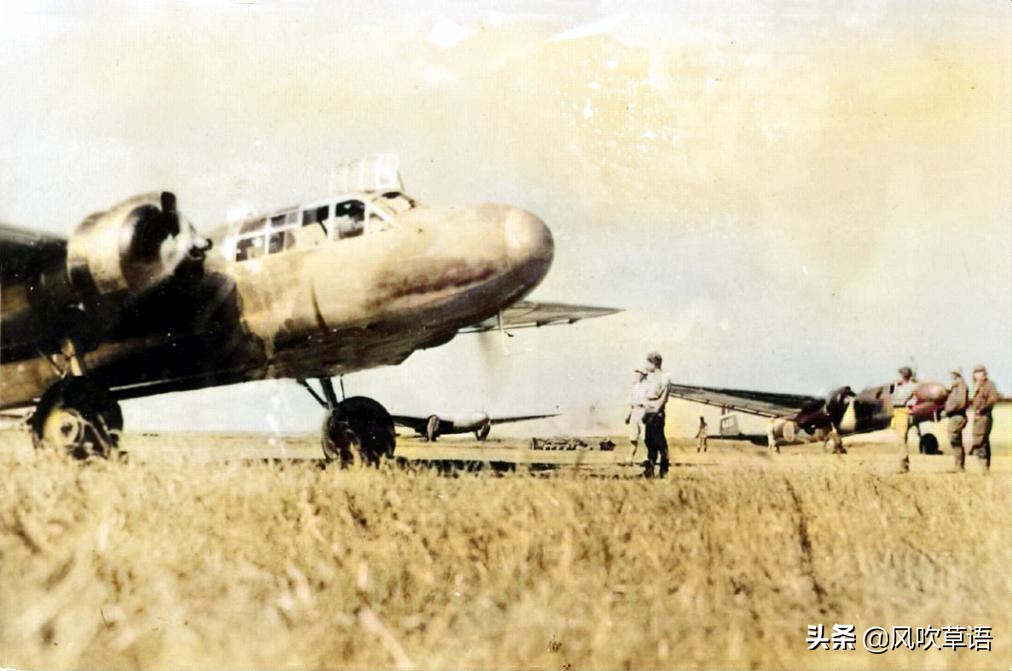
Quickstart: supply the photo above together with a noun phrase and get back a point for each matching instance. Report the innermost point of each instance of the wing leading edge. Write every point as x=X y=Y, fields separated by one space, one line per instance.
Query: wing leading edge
x=529 y=314
x=521 y=418
x=762 y=403
x=416 y=424
x=23 y=252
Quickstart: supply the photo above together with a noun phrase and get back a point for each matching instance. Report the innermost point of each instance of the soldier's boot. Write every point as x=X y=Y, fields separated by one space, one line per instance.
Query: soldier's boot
x=983 y=458
x=905 y=465
x=960 y=456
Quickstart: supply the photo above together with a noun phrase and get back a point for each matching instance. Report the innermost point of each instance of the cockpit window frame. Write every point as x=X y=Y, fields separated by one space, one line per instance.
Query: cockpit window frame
x=377 y=216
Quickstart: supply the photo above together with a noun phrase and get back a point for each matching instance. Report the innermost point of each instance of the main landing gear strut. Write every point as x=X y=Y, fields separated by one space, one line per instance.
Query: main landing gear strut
x=356 y=429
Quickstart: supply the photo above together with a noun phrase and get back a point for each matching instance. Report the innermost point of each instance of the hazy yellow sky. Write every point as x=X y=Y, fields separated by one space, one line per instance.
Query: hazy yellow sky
x=783 y=195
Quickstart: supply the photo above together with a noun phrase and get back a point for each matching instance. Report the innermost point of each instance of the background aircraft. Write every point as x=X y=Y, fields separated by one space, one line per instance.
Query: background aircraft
x=801 y=418
x=133 y=303
x=480 y=423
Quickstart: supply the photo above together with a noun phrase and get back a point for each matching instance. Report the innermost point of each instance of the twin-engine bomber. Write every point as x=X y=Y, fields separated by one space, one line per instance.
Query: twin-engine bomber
x=136 y=303
x=797 y=418
x=479 y=423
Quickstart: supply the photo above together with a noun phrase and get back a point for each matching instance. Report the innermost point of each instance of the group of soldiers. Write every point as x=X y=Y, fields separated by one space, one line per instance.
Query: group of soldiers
x=649 y=397
x=958 y=403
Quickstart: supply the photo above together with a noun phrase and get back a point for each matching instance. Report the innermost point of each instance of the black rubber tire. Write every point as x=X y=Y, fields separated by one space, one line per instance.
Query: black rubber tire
x=482 y=433
x=99 y=415
x=359 y=429
x=374 y=427
x=928 y=444
x=340 y=442
x=432 y=429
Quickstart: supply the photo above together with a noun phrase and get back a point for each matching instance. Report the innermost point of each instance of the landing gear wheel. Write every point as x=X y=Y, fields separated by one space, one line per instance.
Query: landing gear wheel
x=432 y=429
x=340 y=442
x=834 y=445
x=358 y=430
x=482 y=433
x=78 y=418
x=928 y=444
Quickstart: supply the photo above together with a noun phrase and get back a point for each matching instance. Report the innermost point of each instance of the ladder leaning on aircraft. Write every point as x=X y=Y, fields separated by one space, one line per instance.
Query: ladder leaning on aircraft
x=134 y=303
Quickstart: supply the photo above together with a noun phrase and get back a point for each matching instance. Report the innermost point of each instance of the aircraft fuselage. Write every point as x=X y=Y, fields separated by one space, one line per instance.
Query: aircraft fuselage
x=313 y=302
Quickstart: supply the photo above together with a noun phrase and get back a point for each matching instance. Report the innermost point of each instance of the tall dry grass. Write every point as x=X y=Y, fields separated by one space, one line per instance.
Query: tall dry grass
x=136 y=565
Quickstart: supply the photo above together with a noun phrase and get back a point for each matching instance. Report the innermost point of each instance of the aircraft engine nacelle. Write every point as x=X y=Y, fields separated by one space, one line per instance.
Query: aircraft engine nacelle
x=130 y=247
x=929 y=400
x=931 y=392
x=783 y=429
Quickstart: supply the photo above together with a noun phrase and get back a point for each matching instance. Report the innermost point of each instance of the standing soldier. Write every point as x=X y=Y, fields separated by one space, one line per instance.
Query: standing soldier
x=955 y=410
x=658 y=386
x=985 y=395
x=637 y=407
x=701 y=436
x=902 y=395
x=771 y=434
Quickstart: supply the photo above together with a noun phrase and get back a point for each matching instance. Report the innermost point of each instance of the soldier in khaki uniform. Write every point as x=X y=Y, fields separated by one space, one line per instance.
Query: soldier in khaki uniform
x=637 y=408
x=658 y=385
x=955 y=409
x=985 y=396
x=701 y=436
x=902 y=397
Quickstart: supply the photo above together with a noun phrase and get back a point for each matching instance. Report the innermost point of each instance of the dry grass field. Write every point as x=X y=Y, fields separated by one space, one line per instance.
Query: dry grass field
x=167 y=562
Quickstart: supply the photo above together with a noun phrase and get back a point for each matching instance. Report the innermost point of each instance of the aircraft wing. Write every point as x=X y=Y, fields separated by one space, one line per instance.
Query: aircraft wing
x=528 y=314
x=419 y=423
x=762 y=403
x=22 y=251
x=414 y=423
x=521 y=418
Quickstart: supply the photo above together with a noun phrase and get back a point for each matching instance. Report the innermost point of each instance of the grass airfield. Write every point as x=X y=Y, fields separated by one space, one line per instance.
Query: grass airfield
x=238 y=551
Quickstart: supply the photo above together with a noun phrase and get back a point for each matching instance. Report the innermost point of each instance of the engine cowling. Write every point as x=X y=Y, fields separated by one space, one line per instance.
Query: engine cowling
x=931 y=392
x=783 y=429
x=929 y=400
x=130 y=247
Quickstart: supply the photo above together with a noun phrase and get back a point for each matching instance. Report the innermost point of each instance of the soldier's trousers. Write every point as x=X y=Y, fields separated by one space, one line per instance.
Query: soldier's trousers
x=956 y=425
x=901 y=424
x=656 y=442
x=982 y=438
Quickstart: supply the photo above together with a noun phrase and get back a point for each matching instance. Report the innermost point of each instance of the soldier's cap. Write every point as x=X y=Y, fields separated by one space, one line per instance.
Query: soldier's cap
x=655 y=357
x=906 y=371
x=979 y=368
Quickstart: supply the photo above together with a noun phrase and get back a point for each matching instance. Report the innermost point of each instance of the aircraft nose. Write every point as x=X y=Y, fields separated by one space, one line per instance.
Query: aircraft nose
x=529 y=243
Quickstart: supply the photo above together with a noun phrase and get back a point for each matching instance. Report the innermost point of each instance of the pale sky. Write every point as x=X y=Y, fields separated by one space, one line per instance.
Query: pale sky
x=782 y=195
